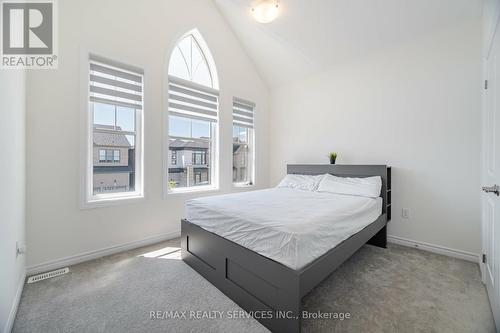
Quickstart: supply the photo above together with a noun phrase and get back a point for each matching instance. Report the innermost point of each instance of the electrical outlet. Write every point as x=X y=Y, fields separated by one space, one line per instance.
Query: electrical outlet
x=20 y=248
x=405 y=213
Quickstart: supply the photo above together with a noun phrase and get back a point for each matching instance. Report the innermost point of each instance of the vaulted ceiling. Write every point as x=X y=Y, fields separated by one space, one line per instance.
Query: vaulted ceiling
x=310 y=35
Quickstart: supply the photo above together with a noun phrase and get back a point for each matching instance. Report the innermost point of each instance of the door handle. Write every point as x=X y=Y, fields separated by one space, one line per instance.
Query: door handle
x=492 y=189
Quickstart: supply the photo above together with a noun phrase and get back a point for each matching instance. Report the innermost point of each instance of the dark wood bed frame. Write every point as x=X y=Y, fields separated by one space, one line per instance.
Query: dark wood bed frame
x=268 y=290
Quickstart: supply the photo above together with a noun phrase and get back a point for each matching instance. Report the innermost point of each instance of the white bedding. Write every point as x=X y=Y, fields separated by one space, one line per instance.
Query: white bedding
x=290 y=226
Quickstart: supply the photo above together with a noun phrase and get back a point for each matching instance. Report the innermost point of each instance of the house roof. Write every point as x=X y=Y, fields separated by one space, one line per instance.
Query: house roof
x=106 y=139
x=178 y=144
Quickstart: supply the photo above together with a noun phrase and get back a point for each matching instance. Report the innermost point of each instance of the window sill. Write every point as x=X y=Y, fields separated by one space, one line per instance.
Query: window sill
x=113 y=201
x=192 y=190
x=243 y=187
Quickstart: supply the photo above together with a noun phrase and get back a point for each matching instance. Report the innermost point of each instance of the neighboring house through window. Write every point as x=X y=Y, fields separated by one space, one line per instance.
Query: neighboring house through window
x=115 y=106
x=243 y=142
x=193 y=115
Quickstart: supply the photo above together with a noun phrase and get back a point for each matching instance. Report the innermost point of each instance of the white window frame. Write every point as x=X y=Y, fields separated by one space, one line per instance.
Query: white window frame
x=251 y=161
x=88 y=198
x=214 y=132
x=214 y=167
x=252 y=149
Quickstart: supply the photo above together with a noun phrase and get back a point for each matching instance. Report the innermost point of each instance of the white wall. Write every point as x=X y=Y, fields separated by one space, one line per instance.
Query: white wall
x=12 y=195
x=140 y=33
x=491 y=9
x=415 y=106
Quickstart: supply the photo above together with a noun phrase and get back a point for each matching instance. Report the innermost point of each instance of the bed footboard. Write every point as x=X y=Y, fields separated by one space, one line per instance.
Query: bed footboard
x=267 y=290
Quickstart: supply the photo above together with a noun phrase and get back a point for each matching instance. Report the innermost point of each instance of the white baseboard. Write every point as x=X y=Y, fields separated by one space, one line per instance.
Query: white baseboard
x=469 y=256
x=15 y=304
x=79 y=258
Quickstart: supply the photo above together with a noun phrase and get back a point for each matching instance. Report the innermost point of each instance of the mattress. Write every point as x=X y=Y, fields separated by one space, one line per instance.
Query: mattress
x=290 y=226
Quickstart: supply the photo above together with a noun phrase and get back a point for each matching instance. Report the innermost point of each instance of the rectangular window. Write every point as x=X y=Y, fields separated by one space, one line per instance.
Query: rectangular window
x=109 y=156
x=193 y=116
x=199 y=157
x=116 y=111
x=173 y=157
x=243 y=142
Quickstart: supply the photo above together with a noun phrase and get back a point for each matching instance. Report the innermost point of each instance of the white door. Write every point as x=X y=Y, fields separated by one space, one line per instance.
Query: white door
x=491 y=177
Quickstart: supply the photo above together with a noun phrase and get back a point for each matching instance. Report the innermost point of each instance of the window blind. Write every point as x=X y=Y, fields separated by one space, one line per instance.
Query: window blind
x=114 y=83
x=192 y=100
x=243 y=113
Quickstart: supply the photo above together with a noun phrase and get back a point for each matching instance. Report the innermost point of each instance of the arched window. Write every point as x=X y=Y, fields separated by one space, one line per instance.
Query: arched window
x=193 y=115
x=189 y=62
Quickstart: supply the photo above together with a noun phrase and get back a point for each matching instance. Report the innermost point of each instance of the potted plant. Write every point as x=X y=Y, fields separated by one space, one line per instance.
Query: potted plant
x=333 y=157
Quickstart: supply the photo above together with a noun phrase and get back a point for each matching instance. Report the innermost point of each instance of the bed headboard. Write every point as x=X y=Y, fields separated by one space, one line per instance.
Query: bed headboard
x=351 y=170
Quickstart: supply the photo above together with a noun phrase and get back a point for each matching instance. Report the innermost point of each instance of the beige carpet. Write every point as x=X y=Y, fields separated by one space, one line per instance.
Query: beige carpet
x=384 y=290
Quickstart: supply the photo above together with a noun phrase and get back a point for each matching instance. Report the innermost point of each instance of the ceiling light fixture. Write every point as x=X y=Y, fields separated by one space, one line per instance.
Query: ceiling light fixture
x=265 y=11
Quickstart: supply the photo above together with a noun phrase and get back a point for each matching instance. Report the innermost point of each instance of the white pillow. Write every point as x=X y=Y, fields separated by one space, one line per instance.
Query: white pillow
x=301 y=182
x=364 y=187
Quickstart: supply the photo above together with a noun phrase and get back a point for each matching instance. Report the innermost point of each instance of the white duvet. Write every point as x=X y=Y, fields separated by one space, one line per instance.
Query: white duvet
x=290 y=226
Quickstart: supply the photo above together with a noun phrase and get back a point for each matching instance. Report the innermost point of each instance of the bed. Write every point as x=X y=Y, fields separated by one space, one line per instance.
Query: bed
x=267 y=262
